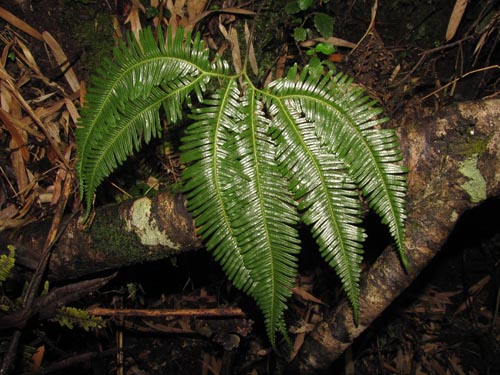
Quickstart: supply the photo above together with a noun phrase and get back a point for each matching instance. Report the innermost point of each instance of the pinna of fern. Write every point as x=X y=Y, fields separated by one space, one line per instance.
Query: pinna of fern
x=259 y=162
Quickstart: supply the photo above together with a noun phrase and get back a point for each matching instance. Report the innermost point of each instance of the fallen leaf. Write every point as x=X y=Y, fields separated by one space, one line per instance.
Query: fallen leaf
x=455 y=18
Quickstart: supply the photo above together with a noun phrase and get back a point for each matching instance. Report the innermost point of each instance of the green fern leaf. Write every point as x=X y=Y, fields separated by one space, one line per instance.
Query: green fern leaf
x=123 y=103
x=258 y=162
x=210 y=177
x=344 y=121
x=268 y=218
x=7 y=262
x=328 y=197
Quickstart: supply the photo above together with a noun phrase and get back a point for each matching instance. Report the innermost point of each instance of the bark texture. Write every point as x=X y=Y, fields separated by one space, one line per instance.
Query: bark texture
x=454 y=165
x=132 y=232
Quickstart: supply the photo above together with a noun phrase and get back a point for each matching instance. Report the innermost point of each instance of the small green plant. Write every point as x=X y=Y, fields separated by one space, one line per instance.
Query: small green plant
x=260 y=161
x=71 y=317
x=303 y=11
x=312 y=23
x=7 y=262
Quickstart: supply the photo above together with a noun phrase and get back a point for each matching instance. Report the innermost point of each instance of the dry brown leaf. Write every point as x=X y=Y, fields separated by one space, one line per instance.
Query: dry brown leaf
x=297 y=344
x=62 y=60
x=13 y=223
x=19 y=137
x=18 y=166
x=387 y=366
x=215 y=366
x=20 y=24
x=177 y=17
x=195 y=8
x=28 y=57
x=134 y=20
x=301 y=334
x=61 y=175
x=5 y=53
x=37 y=358
x=455 y=363
x=232 y=37
x=230 y=10
x=7 y=80
x=402 y=360
x=306 y=295
x=455 y=18
x=281 y=65
x=75 y=115
x=251 y=52
x=338 y=42
x=44 y=112
x=8 y=212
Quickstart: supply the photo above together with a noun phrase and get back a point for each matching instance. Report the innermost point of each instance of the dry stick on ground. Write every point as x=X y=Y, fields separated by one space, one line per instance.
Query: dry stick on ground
x=157 y=313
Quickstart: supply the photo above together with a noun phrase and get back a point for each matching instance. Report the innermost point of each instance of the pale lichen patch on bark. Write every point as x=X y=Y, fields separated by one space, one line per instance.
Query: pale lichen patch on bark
x=476 y=186
x=146 y=228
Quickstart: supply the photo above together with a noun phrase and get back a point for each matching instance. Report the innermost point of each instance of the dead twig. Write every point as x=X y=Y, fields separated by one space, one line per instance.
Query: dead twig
x=75 y=360
x=218 y=312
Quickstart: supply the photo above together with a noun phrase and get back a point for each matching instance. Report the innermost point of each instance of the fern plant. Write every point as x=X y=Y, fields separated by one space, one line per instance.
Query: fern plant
x=259 y=160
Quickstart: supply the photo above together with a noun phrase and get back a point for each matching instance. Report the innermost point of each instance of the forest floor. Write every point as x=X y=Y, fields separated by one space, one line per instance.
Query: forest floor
x=447 y=323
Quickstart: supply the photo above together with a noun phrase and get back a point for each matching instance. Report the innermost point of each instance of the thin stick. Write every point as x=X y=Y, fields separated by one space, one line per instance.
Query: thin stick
x=219 y=312
x=458 y=79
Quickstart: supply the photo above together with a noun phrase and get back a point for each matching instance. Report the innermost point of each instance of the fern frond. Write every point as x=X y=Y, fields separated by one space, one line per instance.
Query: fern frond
x=70 y=317
x=122 y=104
x=328 y=198
x=257 y=161
x=7 y=262
x=344 y=119
x=268 y=219
x=210 y=180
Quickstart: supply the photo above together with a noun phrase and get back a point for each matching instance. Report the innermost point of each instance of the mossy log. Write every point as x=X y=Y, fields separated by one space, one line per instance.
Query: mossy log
x=135 y=231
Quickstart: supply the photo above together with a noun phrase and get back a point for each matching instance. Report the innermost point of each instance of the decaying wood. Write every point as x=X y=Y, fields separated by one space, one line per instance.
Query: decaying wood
x=454 y=165
x=133 y=232
x=157 y=313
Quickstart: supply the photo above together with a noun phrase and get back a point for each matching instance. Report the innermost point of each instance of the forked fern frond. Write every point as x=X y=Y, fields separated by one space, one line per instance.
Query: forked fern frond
x=259 y=161
x=122 y=106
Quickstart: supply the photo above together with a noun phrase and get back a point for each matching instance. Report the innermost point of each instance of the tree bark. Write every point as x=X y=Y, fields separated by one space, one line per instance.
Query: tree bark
x=132 y=232
x=454 y=165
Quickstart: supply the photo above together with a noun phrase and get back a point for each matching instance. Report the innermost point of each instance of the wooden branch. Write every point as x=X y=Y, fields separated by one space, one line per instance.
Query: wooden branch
x=157 y=313
x=135 y=231
x=45 y=307
x=454 y=165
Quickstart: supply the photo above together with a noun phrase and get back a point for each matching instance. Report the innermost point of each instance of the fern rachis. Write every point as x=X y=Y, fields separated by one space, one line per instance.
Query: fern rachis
x=259 y=161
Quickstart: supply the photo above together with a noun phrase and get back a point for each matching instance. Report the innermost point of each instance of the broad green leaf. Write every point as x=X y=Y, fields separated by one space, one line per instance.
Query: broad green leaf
x=292 y=7
x=324 y=24
x=304 y=4
x=299 y=34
